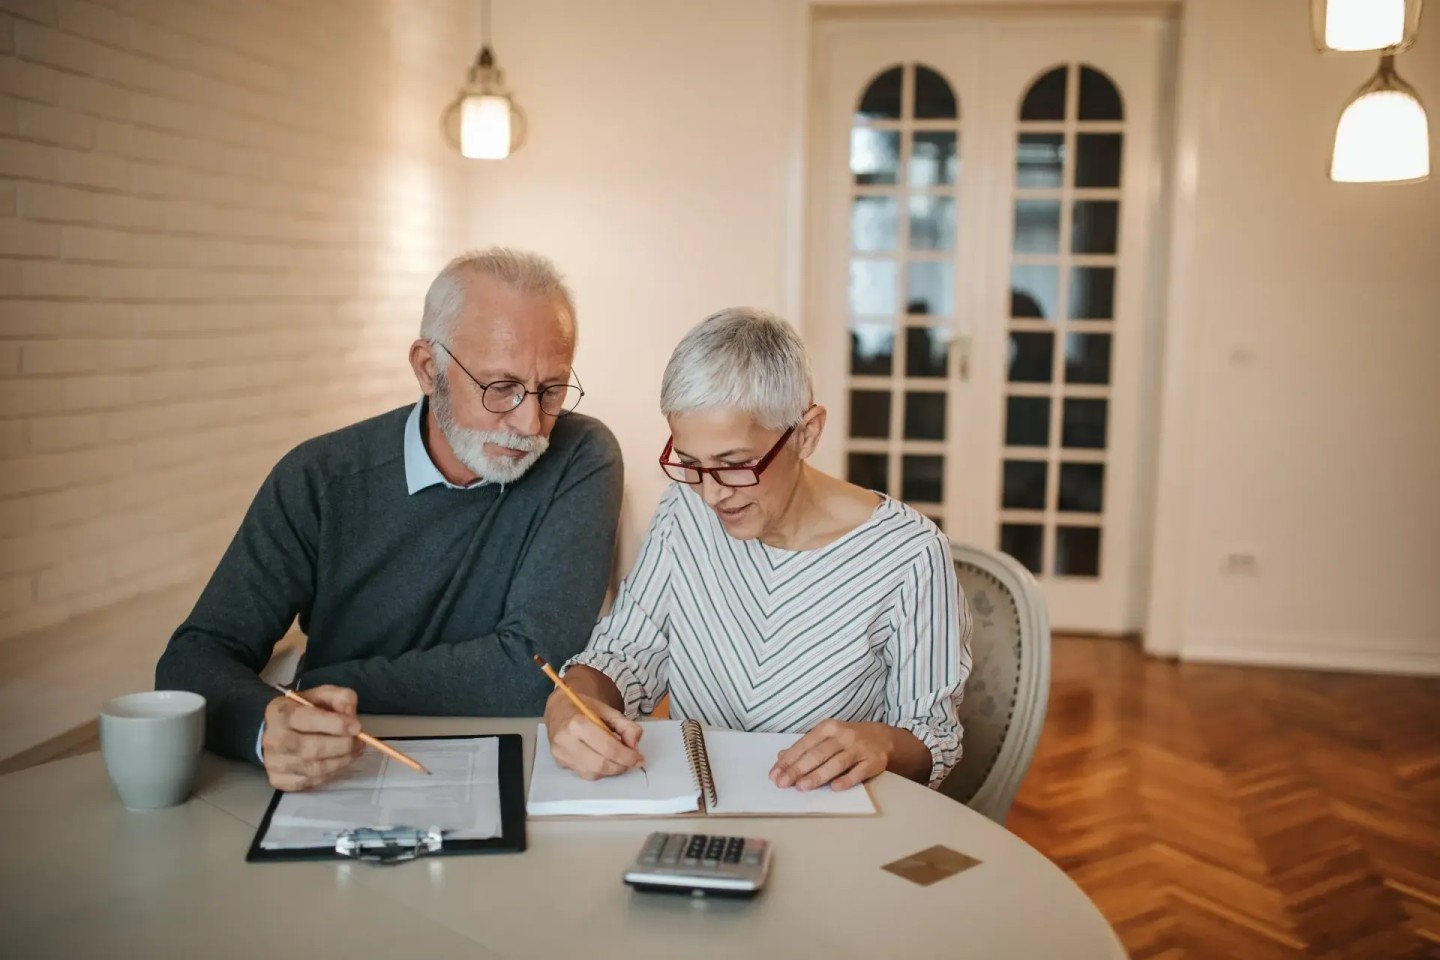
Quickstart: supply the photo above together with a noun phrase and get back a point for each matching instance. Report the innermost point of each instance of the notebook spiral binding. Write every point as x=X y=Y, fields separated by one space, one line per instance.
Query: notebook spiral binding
x=695 y=752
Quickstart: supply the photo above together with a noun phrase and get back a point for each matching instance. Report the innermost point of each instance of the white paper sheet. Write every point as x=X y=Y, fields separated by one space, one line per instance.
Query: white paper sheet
x=461 y=796
x=741 y=763
x=666 y=785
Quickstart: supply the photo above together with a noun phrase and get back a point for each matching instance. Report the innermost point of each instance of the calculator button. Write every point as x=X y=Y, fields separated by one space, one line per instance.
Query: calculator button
x=674 y=846
x=650 y=854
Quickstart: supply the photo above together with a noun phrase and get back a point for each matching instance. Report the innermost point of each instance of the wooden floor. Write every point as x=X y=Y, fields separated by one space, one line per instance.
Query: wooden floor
x=1241 y=813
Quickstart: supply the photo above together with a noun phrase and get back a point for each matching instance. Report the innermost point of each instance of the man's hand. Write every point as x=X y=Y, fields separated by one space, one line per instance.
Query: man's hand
x=835 y=752
x=304 y=746
x=578 y=745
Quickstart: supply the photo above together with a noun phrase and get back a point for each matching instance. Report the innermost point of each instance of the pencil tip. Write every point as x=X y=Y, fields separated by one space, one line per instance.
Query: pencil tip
x=539 y=660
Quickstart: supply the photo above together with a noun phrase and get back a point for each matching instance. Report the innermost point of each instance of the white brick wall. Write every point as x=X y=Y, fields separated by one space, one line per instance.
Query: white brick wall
x=217 y=221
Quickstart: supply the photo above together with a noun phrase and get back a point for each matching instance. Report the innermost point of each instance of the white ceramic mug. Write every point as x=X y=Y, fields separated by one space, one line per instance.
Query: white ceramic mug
x=151 y=743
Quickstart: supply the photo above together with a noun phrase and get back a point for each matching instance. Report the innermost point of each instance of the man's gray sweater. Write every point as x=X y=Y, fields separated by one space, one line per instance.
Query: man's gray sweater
x=431 y=603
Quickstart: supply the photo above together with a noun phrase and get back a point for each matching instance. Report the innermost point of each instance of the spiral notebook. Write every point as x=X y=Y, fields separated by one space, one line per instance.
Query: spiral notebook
x=689 y=770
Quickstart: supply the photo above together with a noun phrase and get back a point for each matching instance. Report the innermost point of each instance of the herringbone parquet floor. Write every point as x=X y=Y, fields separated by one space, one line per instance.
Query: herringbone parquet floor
x=1241 y=813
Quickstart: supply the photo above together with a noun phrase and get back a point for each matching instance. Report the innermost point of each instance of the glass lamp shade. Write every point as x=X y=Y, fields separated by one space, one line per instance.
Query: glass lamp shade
x=485 y=127
x=1383 y=135
x=483 y=122
x=1355 y=25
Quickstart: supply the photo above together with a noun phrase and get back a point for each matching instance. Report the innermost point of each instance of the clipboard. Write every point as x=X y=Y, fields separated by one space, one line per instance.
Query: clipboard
x=400 y=844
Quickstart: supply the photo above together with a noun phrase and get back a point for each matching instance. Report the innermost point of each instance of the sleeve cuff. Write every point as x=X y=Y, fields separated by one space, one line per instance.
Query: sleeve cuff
x=631 y=688
x=944 y=746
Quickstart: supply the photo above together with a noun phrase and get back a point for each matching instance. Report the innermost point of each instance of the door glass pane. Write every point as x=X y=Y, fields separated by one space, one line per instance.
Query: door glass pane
x=1039 y=159
x=1087 y=358
x=874 y=223
x=1024 y=542
x=934 y=100
x=924 y=416
x=1031 y=357
x=1024 y=485
x=872 y=349
x=869 y=470
x=922 y=479
x=1096 y=228
x=870 y=413
x=873 y=286
x=930 y=288
x=1097 y=160
x=1077 y=551
x=881 y=100
x=1034 y=291
x=1099 y=100
x=1092 y=293
x=1083 y=423
x=933 y=158
x=874 y=155
x=1045 y=100
x=1082 y=487
x=932 y=222
x=1037 y=226
x=1027 y=421
x=926 y=351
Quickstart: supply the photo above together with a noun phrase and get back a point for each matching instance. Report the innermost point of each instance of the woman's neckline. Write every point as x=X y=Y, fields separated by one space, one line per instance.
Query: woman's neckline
x=880 y=508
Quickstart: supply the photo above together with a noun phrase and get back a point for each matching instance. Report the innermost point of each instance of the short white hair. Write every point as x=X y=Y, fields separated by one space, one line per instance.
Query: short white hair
x=519 y=270
x=740 y=359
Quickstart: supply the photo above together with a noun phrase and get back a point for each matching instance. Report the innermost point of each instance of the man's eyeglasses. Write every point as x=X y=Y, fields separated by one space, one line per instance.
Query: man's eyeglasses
x=725 y=476
x=503 y=396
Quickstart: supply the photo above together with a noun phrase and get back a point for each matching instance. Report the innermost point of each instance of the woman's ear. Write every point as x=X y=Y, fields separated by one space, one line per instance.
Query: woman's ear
x=810 y=430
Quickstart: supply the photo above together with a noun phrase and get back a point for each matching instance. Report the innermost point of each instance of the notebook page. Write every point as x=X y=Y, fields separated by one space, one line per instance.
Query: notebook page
x=741 y=764
x=666 y=785
x=462 y=796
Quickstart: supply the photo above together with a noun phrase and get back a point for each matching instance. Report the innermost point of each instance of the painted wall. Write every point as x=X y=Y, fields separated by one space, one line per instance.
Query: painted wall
x=216 y=224
x=1301 y=439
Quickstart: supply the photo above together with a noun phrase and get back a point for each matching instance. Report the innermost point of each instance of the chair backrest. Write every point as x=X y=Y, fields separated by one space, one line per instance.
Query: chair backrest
x=1003 y=707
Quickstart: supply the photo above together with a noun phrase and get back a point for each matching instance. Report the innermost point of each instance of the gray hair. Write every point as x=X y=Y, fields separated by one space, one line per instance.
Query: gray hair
x=740 y=359
x=519 y=270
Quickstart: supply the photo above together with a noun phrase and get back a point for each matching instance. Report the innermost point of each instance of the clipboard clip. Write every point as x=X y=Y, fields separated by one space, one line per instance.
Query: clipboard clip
x=388 y=845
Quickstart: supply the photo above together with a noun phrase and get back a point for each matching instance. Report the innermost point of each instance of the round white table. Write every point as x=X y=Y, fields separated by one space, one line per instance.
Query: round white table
x=81 y=877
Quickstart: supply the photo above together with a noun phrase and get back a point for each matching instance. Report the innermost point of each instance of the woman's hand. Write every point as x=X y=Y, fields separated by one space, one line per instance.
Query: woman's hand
x=835 y=752
x=578 y=745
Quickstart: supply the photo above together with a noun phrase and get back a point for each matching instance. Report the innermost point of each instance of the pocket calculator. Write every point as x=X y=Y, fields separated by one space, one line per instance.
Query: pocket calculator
x=700 y=865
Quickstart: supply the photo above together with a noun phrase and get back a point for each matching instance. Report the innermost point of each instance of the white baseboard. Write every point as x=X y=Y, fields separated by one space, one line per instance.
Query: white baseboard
x=1305 y=652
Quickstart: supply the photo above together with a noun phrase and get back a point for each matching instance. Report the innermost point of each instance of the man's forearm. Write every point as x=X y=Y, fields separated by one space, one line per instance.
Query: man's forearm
x=235 y=696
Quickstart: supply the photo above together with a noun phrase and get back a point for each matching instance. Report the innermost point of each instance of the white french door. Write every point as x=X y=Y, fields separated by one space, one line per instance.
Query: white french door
x=982 y=196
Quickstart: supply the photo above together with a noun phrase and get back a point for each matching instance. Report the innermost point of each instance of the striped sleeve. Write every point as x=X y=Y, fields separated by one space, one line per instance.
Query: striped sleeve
x=630 y=644
x=929 y=657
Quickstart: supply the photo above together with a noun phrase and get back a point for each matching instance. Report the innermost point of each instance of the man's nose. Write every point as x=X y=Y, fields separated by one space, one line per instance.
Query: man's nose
x=525 y=419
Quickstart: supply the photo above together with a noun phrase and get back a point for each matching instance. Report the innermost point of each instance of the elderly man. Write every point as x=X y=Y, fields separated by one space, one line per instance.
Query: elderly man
x=428 y=552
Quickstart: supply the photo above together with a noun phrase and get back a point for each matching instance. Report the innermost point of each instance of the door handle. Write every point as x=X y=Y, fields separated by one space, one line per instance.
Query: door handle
x=962 y=356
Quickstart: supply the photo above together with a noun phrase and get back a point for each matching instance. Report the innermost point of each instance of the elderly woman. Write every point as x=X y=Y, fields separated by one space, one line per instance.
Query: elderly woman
x=769 y=595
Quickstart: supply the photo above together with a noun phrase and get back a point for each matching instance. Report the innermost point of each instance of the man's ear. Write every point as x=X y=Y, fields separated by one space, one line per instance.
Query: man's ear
x=810 y=430
x=422 y=362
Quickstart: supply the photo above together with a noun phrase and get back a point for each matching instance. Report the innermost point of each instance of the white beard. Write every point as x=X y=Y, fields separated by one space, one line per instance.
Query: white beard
x=468 y=445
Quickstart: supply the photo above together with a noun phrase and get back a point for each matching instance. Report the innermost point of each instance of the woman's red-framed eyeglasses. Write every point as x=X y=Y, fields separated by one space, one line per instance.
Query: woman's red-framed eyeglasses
x=725 y=476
